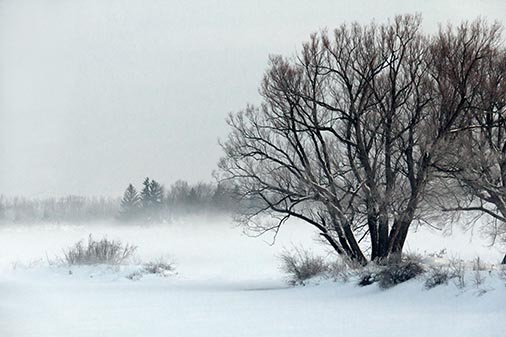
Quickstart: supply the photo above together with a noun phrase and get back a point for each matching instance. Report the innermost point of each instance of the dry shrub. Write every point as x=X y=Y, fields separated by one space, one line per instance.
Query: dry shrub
x=160 y=267
x=98 y=252
x=301 y=265
x=437 y=275
x=400 y=272
x=369 y=274
x=458 y=272
x=342 y=268
x=392 y=272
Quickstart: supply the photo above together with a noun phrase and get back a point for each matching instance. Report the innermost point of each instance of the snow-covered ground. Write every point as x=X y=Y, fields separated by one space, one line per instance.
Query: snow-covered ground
x=227 y=284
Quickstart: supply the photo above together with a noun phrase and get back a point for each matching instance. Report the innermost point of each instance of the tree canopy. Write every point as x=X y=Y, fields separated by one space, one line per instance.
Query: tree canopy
x=352 y=130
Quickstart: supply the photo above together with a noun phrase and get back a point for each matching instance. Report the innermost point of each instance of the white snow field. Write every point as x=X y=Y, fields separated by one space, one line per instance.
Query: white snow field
x=227 y=284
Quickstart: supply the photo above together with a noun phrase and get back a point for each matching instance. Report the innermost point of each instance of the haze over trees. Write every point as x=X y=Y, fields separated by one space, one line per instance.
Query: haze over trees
x=151 y=204
x=70 y=208
x=356 y=130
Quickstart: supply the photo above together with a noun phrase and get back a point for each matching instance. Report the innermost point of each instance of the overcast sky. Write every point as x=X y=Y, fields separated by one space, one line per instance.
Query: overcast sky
x=95 y=94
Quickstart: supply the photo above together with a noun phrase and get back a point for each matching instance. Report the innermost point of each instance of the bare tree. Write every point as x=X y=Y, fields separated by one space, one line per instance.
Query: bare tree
x=350 y=131
x=478 y=163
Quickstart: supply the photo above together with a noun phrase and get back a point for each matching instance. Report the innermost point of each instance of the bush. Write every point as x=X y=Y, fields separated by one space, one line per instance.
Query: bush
x=437 y=276
x=458 y=272
x=393 y=272
x=135 y=276
x=159 y=267
x=98 y=252
x=400 y=272
x=367 y=278
x=302 y=265
x=369 y=274
x=341 y=269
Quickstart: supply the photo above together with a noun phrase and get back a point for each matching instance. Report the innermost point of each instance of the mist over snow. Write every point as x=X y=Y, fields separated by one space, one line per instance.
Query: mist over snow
x=225 y=284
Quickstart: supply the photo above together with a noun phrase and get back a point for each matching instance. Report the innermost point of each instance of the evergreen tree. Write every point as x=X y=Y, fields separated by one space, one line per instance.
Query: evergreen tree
x=157 y=193
x=158 y=199
x=146 y=196
x=152 y=198
x=130 y=203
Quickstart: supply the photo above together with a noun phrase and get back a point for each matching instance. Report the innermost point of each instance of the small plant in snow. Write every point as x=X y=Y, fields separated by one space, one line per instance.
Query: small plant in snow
x=103 y=251
x=436 y=276
x=393 y=272
x=302 y=265
x=369 y=274
x=478 y=265
x=341 y=269
x=135 y=276
x=478 y=278
x=400 y=272
x=440 y=254
x=160 y=267
x=458 y=272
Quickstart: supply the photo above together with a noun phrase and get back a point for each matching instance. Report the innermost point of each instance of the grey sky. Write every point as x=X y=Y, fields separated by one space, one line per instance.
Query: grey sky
x=95 y=94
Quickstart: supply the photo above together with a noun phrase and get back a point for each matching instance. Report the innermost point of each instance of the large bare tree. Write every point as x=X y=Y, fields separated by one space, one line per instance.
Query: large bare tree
x=351 y=129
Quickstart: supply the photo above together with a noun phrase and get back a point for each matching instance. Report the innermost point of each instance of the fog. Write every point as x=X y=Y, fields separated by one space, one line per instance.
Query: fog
x=97 y=94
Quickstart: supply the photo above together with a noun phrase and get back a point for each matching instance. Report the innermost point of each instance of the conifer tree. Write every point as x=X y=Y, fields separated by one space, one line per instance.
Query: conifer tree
x=146 y=196
x=156 y=193
x=130 y=203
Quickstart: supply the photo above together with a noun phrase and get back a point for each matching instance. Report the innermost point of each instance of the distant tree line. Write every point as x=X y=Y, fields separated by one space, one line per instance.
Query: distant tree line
x=153 y=202
x=156 y=203
x=65 y=209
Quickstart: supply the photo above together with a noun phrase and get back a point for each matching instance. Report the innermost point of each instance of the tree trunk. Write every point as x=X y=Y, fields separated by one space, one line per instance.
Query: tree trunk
x=356 y=251
x=400 y=230
x=383 y=241
x=397 y=241
x=373 y=232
